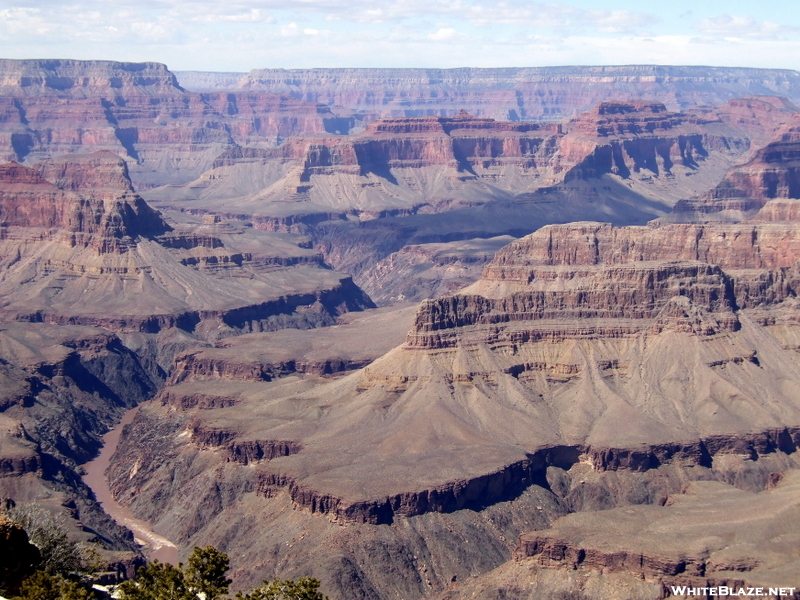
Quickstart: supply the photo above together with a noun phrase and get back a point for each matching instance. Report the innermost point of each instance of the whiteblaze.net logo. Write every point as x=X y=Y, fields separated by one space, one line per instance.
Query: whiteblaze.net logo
x=682 y=590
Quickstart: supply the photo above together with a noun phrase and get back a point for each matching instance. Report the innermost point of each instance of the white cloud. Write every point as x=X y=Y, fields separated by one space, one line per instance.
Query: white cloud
x=443 y=35
x=254 y=15
x=243 y=34
x=734 y=26
x=290 y=30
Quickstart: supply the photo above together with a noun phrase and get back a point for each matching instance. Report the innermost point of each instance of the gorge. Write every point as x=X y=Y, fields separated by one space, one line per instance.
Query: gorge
x=415 y=345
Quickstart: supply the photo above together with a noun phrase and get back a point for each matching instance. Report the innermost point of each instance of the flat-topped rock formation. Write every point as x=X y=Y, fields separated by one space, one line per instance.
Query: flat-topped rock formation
x=79 y=78
x=138 y=110
x=93 y=252
x=550 y=93
x=684 y=333
x=439 y=179
x=350 y=345
x=49 y=198
x=424 y=164
x=746 y=544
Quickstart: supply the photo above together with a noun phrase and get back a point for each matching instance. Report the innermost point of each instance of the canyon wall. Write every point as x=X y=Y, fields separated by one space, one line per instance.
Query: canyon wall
x=139 y=111
x=544 y=93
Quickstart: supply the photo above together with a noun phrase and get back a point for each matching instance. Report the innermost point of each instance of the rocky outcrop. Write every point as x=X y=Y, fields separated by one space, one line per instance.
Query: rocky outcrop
x=77 y=78
x=461 y=142
x=108 y=207
x=63 y=388
x=324 y=352
x=639 y=545
x=137 y=110
x=421 y=271
x=771 y=174
x=241 y=451
x=96 y=228
x=549 y=93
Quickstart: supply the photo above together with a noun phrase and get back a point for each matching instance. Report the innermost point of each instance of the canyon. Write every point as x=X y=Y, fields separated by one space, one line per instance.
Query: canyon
x=477 y=334
x=510 y=94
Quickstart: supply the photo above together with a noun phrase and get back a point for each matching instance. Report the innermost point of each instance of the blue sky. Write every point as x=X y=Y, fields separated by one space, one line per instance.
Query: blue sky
x=239 y=35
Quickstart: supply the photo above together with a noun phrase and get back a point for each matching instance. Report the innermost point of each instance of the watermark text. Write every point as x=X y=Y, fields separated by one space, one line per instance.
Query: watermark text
x=722 y=590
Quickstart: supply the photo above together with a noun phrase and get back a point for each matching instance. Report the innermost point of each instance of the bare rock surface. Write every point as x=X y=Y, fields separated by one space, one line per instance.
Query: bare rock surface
x=629 y=350
x=62 y=388
x=92 y=254
x=550 y=93
x=418 y=272
x=749 y=542
x=426 y=164
x=411 y=181
x=356 y=341
x=139 y=111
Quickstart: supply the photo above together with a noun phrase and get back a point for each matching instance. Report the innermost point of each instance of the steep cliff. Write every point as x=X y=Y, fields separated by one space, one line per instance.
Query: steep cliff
x=440 y=179
x=514 y=386
x=62 y=388
x=94 y=234
x=549 y=93
x=138 y=110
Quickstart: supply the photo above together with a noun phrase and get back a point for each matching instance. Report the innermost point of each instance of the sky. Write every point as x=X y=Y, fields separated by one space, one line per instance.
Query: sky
x=239 y=35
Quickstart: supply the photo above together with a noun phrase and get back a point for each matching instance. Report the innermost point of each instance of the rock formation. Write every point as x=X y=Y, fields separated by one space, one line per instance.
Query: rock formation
x=93 y=252
x=438 y=179
x=82 y=250
x=62 y=388
x=772 y=174
x=601 y=364
x=418 y=272
x=544 y=93
x=138 y=110
x=681 y=332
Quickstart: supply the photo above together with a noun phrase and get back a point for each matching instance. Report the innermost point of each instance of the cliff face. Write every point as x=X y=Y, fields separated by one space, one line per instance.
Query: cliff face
x=111 y=209
x=62 y=388
x=137 y=110
x=440 y=179
x=77 y=78
x=645 y=540
x=518 y=383
x=548 y=93
x=93 y=232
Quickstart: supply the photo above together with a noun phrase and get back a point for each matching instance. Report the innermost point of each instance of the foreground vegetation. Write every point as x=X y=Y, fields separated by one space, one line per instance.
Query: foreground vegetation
x=63 y=571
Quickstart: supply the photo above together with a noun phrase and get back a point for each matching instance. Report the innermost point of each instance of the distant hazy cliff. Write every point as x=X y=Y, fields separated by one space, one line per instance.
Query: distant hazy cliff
x=507 y=93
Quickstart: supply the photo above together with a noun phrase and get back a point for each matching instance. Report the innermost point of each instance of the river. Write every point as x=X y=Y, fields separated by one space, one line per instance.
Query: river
x=154 y=545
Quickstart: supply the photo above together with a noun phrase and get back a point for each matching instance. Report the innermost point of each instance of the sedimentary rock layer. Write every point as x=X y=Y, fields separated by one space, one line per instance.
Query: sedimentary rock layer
x=520 y=94
x=138 y=110
x=93 y=252
x=678 y=544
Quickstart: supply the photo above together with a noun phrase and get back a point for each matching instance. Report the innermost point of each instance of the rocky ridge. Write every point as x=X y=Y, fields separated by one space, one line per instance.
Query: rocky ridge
x=138 y=110
x=680 y=331
x=82 y=250
x=545 y=93
x=144 y=275
x=431 y=180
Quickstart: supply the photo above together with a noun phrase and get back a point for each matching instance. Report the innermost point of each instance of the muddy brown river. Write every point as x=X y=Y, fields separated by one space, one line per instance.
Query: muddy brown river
x=153 y=545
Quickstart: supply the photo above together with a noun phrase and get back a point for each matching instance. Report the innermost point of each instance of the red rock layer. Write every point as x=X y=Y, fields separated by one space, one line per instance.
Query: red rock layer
x=137 y=110
x=527 y=94
x=28 y=199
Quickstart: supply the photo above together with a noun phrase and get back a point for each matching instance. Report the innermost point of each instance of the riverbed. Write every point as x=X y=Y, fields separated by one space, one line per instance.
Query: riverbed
x=154 y=546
